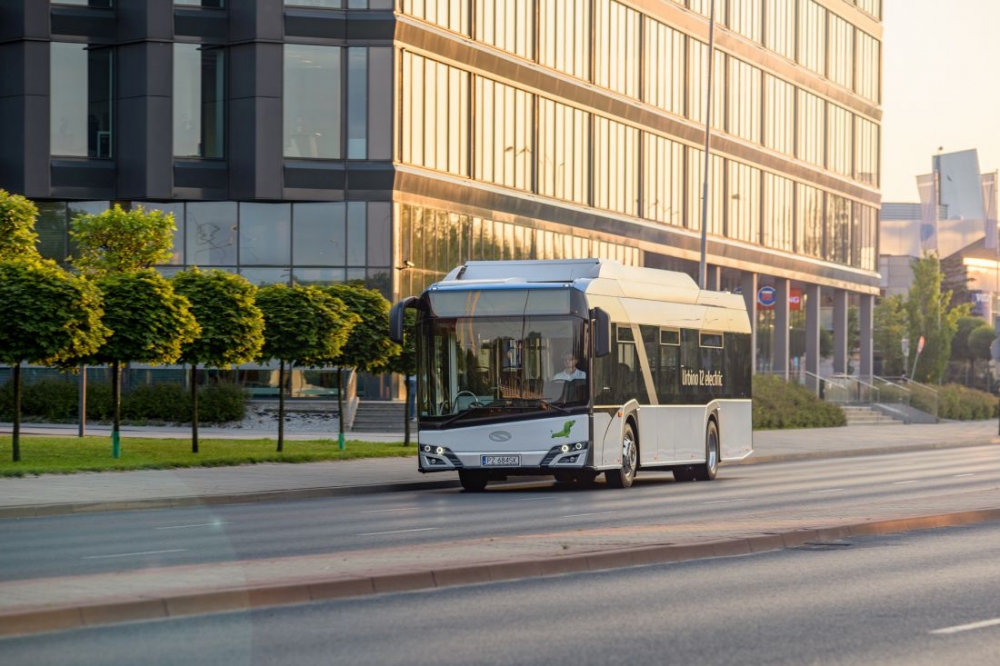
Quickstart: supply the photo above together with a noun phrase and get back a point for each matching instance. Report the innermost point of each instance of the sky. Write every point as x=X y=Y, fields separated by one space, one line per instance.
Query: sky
x=940 y=87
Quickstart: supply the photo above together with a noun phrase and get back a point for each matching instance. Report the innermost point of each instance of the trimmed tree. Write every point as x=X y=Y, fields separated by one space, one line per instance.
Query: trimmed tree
x=960 y=350
x=151 y=324
x=980 y=341
x=232 y=326
x=17 y=227
x=930 y=317
x=368 y=348
x=120 y=241
x=890 y=327
x=47 y=317
x=301 y=325
x=405 y=363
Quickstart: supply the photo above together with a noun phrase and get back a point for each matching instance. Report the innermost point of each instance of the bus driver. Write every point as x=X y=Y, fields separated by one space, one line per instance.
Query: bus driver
x=569 y=371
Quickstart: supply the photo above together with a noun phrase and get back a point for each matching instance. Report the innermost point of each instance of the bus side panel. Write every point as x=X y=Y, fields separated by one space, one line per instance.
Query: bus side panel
x=656 y=428
x=686 y=431
x=735 y=429
x=607 y=438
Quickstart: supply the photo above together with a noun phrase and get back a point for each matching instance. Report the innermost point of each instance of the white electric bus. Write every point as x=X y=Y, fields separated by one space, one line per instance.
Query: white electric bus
x=572 y=368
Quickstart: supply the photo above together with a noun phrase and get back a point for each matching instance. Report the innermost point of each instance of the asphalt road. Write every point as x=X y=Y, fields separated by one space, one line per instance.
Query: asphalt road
x=765 y=495
x=918 y=598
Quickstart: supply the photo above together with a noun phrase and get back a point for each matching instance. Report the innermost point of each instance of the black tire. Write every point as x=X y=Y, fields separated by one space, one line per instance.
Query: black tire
x=625 y=475
x=710 y=468
x=583 y=479
x=473 y=481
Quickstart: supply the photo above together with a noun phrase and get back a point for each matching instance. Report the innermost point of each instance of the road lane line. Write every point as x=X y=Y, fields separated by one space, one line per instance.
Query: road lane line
x=580 y=515
x=145 y=552
x=828 y=490
x=419 y=529
x=405 y=508
x=902 y=483
x=183 y=527
x=959 y=476
x=968 y=627
x=535 y=499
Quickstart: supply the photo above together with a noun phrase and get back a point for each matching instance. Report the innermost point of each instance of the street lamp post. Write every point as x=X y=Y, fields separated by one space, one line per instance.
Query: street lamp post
x=702 y=267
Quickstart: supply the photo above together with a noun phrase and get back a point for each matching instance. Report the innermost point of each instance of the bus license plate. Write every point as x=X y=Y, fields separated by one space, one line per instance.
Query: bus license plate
x=500 y=461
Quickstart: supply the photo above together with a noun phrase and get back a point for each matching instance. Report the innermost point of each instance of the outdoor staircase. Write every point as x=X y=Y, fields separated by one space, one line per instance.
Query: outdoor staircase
x=864 y=415
x=379 y=416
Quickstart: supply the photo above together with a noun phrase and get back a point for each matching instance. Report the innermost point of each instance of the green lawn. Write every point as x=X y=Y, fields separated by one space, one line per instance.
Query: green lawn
x=66 y=455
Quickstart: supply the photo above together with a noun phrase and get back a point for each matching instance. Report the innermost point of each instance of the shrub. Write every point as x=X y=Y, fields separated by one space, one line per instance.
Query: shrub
x=779 y=404
x=57 y=400
x=959 y=403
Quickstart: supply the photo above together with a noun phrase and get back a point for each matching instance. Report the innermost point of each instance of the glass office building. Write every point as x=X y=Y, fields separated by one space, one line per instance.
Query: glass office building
x=388 y=140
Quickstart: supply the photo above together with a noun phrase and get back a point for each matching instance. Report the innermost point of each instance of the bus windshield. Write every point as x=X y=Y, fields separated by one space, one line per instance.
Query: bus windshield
x=481 y=367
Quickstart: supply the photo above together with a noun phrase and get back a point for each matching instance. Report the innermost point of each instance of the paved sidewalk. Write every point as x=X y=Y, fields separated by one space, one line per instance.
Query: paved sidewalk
x=73 y=493
x=52 y=604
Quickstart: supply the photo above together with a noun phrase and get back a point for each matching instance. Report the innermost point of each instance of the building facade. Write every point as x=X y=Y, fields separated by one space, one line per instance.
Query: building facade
x=389 y=140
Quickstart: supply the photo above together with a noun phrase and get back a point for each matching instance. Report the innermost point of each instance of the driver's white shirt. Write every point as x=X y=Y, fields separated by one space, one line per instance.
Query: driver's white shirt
x=576 y=374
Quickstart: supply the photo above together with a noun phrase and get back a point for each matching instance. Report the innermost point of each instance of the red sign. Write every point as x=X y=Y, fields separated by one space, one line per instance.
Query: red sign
x=794 y=299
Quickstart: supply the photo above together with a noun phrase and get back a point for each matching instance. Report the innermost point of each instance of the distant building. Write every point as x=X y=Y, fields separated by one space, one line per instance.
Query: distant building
x=955 y=219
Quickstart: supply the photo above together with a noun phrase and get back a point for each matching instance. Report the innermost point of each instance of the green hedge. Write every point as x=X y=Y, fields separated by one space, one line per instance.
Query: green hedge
x=959 y=403
x=57 y=400
x=778 y=404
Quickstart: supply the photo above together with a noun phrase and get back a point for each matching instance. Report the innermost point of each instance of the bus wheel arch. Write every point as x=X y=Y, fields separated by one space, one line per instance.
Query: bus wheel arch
x=707 y=470
x=624 y=476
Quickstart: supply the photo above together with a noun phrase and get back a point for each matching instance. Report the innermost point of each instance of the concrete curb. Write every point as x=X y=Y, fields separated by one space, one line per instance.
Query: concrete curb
x=115 y=611
x=41 y=510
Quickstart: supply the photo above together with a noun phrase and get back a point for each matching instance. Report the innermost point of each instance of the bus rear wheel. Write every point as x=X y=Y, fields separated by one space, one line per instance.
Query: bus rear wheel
x=625 y=475
x=473 y=481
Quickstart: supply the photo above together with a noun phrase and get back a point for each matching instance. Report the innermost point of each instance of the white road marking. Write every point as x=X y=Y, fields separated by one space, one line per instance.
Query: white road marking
x=419 y=529
x=145 y=552
x=968 y=627
x=182 y=527
x=959 y=476
x=727 y=501
x=405 y=508
x=535 y=499
x=596 y=513
x=828 y=490
x=902 y=483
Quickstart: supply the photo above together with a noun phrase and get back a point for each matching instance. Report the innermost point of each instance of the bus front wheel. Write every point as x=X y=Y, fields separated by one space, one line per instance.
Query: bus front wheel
x=625 y=475
x=472 y=480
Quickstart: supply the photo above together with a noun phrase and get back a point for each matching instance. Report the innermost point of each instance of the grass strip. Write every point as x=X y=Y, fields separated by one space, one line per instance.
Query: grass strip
x=69 y=455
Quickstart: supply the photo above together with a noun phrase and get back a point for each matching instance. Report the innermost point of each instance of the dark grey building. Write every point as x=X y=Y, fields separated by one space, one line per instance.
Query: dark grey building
x=389 y=140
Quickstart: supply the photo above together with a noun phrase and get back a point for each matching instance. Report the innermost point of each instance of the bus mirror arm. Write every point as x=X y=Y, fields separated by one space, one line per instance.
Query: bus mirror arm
x=397 y=319
x=601 y=331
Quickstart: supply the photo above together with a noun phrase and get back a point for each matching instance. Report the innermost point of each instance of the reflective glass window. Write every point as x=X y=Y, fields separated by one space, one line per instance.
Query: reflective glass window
x=507 y=25
x=838 y=227
x=503 y=134
x=865 y=241
x=617 y=53
x=746 y=18
x=177 y=210
x=199 y=101
x=664 y=73
x=564 y=39
x=211 y=233
x=616 y=166
x=810 y=126
x=841 y=69
x=812 y=36
x=663 y=180
x=357 y=103
x=450 y=14
x=212 y=4
x=563 y=151
x=265 y=234
x=357 y=225
x=810 y=220
x=779 y=212
x=779 y=122
x=52 y=227
x=698 y=84
x=869 y=78
x=319 y=234
x=866 y=151
x=840 y=140
x=435 y=115
x=716 y=191
x=779 y=26
x=85 y=3
x=745 y=94
x=312 y=101
x=743 y=190
x=265 y=276
x=704 y=7
x=873 y=7
x=81 y=101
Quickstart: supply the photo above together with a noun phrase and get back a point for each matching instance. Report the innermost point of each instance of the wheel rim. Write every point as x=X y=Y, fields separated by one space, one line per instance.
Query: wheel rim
x=628 y=454
x=713 y=449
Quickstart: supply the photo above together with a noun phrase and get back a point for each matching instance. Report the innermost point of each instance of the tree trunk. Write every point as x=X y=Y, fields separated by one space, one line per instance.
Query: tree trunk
x=194 y=408
x=340 y=408
x=281 y=406
x=116 y=406
x=16 y=432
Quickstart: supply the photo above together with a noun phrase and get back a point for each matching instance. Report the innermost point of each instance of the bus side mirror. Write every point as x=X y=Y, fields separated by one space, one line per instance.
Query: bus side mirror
x=601 y=329
x=396 y=318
